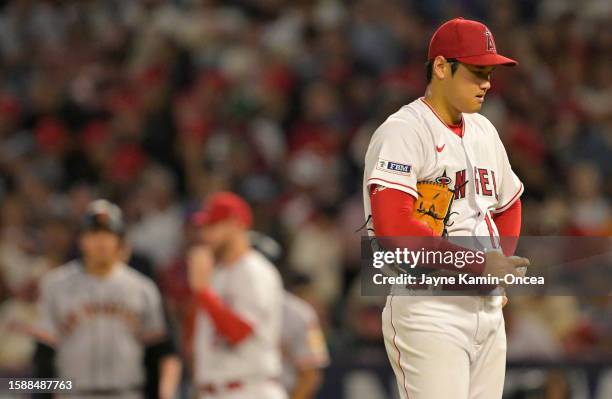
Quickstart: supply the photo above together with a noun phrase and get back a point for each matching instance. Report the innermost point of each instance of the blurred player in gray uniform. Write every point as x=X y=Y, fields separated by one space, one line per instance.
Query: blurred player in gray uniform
x=99 y=317
x=302 y=341
x=304 y=349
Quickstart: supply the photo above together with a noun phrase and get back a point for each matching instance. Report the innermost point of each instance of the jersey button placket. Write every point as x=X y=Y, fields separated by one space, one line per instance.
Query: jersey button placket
x=470 y=190
x=95 y=338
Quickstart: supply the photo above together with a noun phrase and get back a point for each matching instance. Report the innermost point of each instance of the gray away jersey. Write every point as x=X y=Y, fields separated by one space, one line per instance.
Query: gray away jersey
x=303 y=342
x=99 y=326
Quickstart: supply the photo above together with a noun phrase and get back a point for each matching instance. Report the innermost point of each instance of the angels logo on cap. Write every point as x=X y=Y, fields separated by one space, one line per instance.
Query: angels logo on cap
x=490 y=42
x=467 y=41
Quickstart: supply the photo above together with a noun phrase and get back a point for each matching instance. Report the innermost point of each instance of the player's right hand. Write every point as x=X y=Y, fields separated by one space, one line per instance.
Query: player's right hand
x=200 y=263
x=499 y=265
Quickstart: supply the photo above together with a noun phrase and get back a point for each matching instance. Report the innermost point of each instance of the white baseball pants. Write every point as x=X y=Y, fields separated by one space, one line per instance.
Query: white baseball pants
x=446 y=346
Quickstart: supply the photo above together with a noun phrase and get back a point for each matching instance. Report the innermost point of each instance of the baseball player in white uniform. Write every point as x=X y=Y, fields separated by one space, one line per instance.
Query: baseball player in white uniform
x=239 y=296
x=303 y=345
x=444 y=347
x=99 y=316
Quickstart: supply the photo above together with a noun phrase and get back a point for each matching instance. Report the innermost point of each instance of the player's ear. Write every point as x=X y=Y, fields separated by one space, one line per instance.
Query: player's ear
x=439 y=67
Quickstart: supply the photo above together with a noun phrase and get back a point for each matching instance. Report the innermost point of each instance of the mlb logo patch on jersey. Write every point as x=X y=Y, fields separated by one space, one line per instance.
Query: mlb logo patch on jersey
x=393 y=167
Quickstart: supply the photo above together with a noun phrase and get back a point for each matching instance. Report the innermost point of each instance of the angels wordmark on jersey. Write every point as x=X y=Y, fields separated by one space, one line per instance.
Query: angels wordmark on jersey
x=414 y=144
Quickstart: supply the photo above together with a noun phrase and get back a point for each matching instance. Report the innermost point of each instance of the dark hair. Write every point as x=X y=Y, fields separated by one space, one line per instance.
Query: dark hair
x=429 y=67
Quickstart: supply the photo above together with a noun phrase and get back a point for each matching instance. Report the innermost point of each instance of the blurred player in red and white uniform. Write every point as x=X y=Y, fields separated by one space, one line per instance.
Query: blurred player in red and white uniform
x=239 y=296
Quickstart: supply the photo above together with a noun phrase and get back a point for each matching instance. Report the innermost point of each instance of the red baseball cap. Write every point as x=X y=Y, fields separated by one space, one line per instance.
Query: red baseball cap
x=466 y=41
x=222 y=206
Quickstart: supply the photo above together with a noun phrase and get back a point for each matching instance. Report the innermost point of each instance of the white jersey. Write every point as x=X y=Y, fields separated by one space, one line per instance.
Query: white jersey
x=414 y=145
x=252 y=287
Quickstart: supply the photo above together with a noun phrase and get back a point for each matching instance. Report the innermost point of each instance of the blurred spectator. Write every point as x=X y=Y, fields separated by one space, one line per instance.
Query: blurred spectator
x=157 y=231
x=537 y=327
x=591 y=212
x=316 y=253
x=16 y=315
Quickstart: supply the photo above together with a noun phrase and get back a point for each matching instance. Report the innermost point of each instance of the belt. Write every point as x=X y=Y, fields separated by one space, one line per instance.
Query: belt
x=214 y=389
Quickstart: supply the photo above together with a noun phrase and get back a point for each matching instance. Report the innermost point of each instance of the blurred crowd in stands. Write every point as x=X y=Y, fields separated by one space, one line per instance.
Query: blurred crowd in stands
x=155 y=104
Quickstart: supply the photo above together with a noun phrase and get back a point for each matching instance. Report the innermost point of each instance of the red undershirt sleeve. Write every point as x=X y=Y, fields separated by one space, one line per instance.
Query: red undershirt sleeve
x=392 y=214
x=392 y=219
x=508 y=225
x=227 y=322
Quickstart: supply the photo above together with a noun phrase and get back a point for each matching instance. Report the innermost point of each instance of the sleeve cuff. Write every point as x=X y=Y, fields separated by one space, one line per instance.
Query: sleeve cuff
x=511 y=201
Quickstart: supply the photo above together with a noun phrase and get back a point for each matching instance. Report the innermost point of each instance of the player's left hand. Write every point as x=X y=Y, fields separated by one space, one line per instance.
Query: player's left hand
x=504 y=301
x=200 y=265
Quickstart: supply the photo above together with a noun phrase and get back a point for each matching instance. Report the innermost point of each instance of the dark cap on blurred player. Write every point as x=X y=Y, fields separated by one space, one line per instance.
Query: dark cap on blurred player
x=103 y=215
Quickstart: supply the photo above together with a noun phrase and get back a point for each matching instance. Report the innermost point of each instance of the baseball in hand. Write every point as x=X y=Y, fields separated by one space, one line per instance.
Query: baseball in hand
x=200 y=264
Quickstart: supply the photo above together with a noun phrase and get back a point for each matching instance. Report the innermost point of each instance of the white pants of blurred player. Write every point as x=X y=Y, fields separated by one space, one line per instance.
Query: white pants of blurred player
x=446 y=346
x=252 y=390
